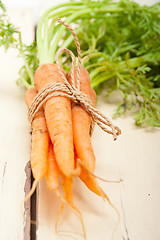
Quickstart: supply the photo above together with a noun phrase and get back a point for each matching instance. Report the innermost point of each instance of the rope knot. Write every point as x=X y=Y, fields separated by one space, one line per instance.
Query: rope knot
x=76 y=96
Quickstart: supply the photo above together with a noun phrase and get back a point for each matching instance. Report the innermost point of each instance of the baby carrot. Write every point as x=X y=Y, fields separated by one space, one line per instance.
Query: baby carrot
x=52 y=175
x=40 y=141
x=81 y=123
x=83 y=147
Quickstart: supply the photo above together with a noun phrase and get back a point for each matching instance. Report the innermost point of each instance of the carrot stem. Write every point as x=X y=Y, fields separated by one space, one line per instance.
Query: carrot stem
x=40 y=40
x=68 y=41
x=26 y=84
x=46 y=33
x=30 y=73
x=54 y=46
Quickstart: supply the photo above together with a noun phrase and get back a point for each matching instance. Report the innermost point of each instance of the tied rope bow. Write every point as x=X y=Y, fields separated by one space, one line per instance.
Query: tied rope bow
x=72 y=91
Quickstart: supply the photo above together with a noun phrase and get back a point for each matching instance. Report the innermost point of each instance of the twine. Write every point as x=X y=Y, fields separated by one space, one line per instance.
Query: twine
x=71 y=91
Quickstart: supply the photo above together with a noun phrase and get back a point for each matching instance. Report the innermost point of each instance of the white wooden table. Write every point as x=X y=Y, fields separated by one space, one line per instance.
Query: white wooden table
x=134 y=157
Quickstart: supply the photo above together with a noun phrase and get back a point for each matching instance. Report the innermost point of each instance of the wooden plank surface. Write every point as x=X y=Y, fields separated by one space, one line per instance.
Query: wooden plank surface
x=134 y=157
x=14 y=135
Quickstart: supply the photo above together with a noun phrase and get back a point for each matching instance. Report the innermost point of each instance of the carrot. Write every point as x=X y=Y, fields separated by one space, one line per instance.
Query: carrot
x=81 y=123
x=40 y=141
x=82 y=141
x=81 y=129
x=52 y=175
x=58 y=118
x=67 y=184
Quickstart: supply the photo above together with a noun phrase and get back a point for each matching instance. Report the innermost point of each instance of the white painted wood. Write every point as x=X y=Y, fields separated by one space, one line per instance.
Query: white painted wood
x=14 y=134
x=134 y=157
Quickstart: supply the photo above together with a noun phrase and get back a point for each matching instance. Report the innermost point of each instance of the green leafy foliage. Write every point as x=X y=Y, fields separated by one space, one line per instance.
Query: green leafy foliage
x=8 y=32
x=30 y=53
x=10 y=37
x=121 y=50
x=2 y=6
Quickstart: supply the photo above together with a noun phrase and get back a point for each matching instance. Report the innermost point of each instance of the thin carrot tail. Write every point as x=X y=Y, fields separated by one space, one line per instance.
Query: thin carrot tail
x=68 y=198
x=90 y=181
x=105 y=197
x=117 y=212
x=76 y=211
x=80 y=163
x=59 y=215
x=98 y=191
x=79 y=214
x=34 y=185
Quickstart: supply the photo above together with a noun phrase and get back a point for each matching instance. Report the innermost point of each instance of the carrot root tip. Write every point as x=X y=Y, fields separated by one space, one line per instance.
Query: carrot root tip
x=58 y=217
x=95 y=176
x=77 y=171
x=34 y=185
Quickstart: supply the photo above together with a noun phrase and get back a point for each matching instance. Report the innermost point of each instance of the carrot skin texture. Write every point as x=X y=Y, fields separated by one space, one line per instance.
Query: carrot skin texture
x=67 y=184
x=52 y=175
x=58 y=118
x=81 y=122
x=40 y=139
x=81 y=128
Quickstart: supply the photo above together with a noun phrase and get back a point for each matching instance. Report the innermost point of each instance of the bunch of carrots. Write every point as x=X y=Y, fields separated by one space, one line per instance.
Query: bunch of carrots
x=60 y=136
x=61 y=143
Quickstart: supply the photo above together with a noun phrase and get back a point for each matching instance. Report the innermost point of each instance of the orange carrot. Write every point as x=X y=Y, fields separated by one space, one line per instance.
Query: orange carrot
x=52 y=175
x=67 y=184
x=40 y=141
x=81 y=123
x=58 y=118
x=82 y=141
x=81 y=128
